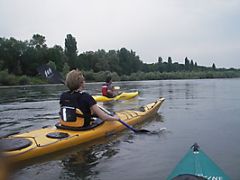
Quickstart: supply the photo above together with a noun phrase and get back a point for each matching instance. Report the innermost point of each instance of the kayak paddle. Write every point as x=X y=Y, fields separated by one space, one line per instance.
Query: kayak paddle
x=55 y=77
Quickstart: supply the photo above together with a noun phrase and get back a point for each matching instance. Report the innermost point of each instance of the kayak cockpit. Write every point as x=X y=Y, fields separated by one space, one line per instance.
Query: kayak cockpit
x=14 y=144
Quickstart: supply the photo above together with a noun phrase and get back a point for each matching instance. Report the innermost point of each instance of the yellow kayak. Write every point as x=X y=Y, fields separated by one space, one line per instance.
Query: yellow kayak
x=36 y=143
x=122 y=96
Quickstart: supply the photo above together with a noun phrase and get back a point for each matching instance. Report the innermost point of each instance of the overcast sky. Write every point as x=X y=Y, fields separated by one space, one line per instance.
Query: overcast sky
x=206 y=31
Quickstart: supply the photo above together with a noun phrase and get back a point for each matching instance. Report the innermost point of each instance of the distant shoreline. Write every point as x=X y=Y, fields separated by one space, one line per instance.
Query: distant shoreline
x=13 y=80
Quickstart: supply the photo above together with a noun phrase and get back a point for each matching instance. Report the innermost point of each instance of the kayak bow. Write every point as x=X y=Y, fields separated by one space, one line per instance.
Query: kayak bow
x=196 y=165
x=33 y=144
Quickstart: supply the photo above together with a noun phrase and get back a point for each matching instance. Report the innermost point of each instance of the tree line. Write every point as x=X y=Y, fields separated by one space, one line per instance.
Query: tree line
x=20 y=59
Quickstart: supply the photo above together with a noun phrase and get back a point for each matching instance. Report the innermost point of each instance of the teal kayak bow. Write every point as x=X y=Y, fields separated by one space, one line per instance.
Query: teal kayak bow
x=197 y=165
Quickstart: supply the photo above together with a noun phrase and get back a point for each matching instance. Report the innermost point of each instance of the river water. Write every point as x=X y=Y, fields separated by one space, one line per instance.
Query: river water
x=203 y=111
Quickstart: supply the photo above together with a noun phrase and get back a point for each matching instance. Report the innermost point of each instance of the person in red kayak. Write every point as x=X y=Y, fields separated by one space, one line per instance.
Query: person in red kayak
x=108 y=89
x=77 y=106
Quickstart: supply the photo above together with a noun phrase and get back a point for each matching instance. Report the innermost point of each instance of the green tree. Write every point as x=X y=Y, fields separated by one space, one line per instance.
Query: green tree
x=124 y=61
x=52 y=65
x=35 y=55
x=160 y=64
x=57 y=55
x=38 y=41
x=100 y=63
x=160 y=60
x=66 y=69
x=71 y=51
x=169 y=64
x=191 y=66
x=85 y=59
x=187 y=64
x=128 y=61
x=113 y=61
x=213 y=67
x=11 y=55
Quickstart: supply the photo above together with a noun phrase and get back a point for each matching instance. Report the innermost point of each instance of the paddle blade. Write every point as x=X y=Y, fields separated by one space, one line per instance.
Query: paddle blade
x=116 y=87
x=139 y=131
x=52 y=75
x=142 y=131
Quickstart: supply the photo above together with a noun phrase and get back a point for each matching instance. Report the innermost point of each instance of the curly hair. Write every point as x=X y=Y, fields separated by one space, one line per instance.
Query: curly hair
x=74 y=79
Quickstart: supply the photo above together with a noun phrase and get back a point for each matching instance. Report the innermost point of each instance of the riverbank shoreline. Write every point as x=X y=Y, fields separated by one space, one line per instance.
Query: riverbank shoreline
x=13 y=80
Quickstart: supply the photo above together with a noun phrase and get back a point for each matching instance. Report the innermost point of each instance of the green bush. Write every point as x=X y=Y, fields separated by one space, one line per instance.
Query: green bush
x=37 y=80
x=89 y=75
x=7 y=79
x=24 y=80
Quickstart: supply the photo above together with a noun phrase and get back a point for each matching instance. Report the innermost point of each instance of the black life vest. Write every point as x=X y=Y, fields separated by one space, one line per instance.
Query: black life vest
x=72 y=117
x=70 y=113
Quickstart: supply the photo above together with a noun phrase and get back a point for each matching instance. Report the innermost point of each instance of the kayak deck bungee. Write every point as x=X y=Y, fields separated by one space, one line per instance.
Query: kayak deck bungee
x=197 y=165
x=122 y=96
x=47 y=140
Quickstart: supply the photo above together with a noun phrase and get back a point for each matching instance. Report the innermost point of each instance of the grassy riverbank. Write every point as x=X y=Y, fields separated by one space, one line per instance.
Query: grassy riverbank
x=7 y=79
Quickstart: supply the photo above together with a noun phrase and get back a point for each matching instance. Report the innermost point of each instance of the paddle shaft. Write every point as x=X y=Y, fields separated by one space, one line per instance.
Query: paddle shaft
x=128 y=126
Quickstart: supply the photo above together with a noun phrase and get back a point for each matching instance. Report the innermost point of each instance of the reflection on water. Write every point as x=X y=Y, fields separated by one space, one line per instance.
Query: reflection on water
x=203 y=111
x=81 y=164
